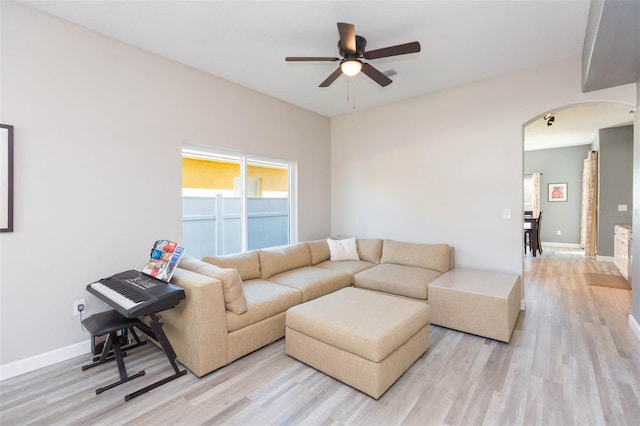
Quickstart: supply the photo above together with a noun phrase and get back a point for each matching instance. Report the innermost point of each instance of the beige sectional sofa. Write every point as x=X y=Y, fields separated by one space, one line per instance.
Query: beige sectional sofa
x=236 y=304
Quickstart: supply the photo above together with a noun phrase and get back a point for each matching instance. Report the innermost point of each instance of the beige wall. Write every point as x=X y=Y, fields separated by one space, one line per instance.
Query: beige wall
x=442 y=167
x=99 y=127
x=635 y=293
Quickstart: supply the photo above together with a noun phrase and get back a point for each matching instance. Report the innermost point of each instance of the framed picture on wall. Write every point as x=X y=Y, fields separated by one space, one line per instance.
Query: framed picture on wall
x=6 y=178
x=557 y=192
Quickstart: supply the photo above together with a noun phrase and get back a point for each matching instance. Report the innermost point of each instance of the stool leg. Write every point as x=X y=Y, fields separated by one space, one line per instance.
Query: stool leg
x=136 y=338
x=105 y=356
x=113 y=336
x=118 y=354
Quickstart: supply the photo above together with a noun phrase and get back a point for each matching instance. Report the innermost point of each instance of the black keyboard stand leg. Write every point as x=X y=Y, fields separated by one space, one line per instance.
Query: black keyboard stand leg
x=159 y=334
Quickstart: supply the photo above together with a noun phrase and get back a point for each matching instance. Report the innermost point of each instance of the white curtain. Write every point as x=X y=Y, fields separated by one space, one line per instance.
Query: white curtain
x=589 y=205
x=535 y=187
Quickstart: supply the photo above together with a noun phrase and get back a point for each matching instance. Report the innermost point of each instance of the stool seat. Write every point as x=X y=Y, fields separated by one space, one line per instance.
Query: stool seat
x=106 y=322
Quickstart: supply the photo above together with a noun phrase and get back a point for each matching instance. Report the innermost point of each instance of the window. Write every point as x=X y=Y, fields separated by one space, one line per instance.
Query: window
x=528 y=193
x=233 y=202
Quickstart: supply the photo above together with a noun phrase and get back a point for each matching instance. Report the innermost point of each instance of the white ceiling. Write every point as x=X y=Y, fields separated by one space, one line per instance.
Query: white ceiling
x=246 y=42
x=576 y=125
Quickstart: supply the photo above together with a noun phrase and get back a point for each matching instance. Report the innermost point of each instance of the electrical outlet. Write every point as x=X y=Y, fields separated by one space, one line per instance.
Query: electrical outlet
x=79 y=306
x=559 y=232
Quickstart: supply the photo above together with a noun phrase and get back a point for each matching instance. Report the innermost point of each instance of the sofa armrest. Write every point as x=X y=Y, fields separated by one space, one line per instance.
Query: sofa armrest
x=197 y=327
x=452 y=253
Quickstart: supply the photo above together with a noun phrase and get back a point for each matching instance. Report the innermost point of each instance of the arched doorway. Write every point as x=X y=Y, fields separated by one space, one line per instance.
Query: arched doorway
x=571 y=121
x=555 y=145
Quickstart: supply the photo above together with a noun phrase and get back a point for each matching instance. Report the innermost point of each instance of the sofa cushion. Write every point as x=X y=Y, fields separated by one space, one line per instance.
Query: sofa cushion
x=370 y=249
x=349 y=266
x=430 y=256
x=264 y=300
x=313 y=282
x=234 y=297
x=402 y=280
x=274 y=260
x=247 y=264
x=343 y=249
x=319 y=251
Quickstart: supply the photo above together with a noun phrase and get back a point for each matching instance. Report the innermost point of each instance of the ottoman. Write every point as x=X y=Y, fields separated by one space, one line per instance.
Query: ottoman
x=362 y=338
x=484 y=303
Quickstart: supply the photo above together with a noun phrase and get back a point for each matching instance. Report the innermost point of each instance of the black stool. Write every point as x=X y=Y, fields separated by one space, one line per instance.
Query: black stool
x=109 y=323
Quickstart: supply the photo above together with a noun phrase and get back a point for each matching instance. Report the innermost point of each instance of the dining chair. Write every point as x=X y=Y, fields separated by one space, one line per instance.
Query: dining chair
x=532 y=235
x=537 y=232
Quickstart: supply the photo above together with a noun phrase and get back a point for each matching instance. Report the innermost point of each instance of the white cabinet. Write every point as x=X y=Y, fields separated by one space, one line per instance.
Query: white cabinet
x=621 y=249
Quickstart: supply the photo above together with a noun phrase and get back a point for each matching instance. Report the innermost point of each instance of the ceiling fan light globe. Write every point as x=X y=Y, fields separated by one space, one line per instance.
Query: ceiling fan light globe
x=351 y=67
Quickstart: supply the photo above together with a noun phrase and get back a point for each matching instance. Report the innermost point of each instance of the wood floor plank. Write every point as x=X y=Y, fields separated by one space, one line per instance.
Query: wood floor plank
x=572 y=360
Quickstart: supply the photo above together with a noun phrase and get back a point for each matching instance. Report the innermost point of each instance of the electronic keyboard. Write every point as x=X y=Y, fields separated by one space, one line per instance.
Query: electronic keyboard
x=134 y=294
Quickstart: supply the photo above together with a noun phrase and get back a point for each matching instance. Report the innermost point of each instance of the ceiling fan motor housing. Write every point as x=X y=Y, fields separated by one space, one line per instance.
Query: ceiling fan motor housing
x=361 y=43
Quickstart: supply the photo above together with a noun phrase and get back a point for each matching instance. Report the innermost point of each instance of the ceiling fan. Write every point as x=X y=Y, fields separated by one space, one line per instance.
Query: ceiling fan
x=352 y=47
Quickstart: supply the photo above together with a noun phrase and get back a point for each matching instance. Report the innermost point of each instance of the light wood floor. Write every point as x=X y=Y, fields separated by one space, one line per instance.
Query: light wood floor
x=572 y=360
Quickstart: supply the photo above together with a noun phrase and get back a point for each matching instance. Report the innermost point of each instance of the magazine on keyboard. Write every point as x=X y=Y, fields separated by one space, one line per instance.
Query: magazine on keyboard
x=163 y=260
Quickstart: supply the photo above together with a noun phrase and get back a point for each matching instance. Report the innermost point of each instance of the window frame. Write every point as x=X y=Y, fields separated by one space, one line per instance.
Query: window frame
x=245 y=159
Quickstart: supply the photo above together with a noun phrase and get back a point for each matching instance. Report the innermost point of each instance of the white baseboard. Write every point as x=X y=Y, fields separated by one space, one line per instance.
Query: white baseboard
x=604 y=258
x=46 y=359
x=565 y=245
x=634 y=326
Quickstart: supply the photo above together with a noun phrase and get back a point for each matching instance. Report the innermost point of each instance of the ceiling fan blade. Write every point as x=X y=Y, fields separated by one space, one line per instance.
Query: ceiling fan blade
x=309 y=58
x=347 y=36
x=400 y=49
x=331 y=78
x=376 y=75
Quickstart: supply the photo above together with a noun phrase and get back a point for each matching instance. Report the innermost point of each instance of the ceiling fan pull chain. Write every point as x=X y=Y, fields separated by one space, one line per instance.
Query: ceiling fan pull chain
x=348 y=88
x=354 y=93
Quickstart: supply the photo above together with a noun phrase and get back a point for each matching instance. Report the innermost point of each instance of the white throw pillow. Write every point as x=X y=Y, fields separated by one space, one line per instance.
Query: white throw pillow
x=343 y=249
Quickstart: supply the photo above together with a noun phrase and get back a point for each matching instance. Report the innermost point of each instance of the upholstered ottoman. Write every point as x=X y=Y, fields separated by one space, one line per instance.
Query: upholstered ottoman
x=484 y=303
x=362 y=338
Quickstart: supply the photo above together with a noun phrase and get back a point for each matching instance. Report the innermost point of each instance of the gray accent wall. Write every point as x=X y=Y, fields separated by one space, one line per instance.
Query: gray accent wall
x=615 y=185
x=559 y=165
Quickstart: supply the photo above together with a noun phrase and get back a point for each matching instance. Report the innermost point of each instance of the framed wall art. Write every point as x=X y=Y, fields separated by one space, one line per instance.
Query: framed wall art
x=557 y=192
x=6 y=178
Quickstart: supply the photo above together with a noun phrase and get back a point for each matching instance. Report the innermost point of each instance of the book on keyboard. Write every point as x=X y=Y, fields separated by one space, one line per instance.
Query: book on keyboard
x=164 y=258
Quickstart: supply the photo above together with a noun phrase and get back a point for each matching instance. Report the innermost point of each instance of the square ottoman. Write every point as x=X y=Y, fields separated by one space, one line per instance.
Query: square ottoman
x=485 y=303
x=362 y=338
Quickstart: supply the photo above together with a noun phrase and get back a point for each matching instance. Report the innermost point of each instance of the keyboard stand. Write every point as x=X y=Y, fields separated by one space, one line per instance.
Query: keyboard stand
x=156 y=332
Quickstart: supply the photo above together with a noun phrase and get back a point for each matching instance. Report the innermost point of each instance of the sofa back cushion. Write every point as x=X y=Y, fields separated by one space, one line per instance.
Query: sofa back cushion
x=275 y=260
x=234 y=297
x=370 y=249
x=429 y=256
x=319 y=251
x=247 y=264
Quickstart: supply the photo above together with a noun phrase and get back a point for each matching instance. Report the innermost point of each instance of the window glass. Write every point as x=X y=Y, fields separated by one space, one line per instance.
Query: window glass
x=267 y=204
x=528 y=193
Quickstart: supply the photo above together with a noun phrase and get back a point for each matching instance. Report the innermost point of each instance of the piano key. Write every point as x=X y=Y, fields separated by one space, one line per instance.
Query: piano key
x=118 y=298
